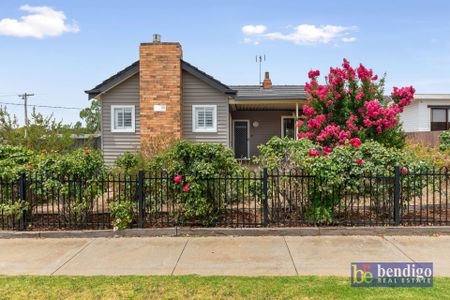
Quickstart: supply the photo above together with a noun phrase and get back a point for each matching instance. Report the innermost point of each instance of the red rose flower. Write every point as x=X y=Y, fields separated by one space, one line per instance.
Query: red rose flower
x=360 y=161
x=186 y=187
x=404 y=170
x=178 y=179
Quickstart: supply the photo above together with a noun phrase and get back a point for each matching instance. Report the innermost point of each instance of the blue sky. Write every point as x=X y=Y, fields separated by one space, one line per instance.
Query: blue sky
x=59 y=58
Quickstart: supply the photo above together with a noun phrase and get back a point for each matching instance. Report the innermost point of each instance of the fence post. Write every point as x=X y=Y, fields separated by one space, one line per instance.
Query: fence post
x=265 y=197
x=141 y=211
x=397 y=186
x=23 y=197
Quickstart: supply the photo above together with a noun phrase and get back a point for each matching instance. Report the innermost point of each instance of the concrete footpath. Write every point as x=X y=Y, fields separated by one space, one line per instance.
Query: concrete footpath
x=226 y=255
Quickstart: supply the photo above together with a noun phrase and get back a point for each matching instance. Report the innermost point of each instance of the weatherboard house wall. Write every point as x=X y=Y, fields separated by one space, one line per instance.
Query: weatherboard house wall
x=116 y=143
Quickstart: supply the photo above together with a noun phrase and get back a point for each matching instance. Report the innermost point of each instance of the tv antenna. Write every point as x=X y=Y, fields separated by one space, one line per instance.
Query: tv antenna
x=260 y=59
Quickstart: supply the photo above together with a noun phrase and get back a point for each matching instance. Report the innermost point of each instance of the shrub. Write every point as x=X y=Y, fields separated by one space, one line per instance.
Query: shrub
x=343 y=171
x=351 y=106
x=154 y=146
x=444 y=140
x=14 y=209
x=436 y=157
x=122 y=213
x=15 y=160
x=129 y=163
x=189 y=165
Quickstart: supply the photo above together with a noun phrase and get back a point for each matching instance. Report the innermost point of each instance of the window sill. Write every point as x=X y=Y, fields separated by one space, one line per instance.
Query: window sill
x=123 y=131
x=204 y=131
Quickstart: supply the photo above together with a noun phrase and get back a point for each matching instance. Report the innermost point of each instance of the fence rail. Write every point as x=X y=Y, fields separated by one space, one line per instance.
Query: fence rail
x=252 y=199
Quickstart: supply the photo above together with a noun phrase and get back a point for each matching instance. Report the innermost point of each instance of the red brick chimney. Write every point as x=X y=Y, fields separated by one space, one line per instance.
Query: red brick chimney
x=160 y=89
x=267 y=83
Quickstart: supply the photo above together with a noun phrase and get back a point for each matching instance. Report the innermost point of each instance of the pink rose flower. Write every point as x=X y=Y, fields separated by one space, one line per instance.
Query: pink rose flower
x=186 y=187
x=178 y=179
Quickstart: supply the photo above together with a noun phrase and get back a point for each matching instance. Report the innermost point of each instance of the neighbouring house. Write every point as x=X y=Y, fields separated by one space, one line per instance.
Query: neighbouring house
x=161 y=94
x=428 y=112
x=425 y=118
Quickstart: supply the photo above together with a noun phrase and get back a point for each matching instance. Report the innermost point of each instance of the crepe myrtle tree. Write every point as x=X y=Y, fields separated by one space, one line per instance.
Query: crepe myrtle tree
x=350 y=108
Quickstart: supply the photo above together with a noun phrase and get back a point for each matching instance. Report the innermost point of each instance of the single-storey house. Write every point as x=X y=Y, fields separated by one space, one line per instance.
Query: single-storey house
x=161 y=94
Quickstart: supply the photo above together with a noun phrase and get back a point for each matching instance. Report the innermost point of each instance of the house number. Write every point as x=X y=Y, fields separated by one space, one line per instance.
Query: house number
x=159 y=108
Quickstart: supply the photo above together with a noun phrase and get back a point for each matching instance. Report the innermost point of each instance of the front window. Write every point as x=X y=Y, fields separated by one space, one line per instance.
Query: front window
x=440 y=119
x=204 y=118
x=122 y=118
x=288 y=127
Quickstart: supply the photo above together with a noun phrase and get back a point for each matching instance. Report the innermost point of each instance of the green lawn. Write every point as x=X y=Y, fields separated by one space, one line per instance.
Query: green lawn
x=195 y=287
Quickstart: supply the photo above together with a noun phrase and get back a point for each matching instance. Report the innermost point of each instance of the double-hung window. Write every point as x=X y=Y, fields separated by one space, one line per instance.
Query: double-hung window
x=204 y=118
x=122 y=118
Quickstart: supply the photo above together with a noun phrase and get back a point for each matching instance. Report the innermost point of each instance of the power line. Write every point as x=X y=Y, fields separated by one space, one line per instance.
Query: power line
x=44 y=106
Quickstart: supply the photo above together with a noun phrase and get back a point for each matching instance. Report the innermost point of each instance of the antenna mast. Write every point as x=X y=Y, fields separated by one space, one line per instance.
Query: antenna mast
x=260 y=59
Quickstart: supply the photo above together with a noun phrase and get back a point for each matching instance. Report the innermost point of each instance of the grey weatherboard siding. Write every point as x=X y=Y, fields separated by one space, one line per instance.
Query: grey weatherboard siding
x=116 y=143
x=197 y=92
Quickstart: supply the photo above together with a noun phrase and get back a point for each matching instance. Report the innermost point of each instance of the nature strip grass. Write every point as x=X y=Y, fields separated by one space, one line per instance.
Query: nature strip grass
x=211 y=287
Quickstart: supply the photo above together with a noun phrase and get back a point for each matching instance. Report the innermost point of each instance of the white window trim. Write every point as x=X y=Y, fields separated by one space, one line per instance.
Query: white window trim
x=133 y=118
x=282 y=124
x=194 y=115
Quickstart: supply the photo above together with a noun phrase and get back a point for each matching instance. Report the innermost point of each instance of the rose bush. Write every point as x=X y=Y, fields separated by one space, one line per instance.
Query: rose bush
x=74 y=174
x=351 y=106
x=189 y=166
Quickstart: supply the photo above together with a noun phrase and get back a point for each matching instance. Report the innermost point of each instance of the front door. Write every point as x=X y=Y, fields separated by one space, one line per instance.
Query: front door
x=241 y=138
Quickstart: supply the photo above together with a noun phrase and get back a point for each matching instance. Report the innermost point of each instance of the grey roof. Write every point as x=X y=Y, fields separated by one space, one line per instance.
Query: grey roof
x=277 y=92
x=134 y=69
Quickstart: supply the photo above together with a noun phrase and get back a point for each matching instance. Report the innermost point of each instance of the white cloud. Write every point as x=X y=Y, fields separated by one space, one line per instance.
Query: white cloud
x=348 y=39
x=253 y=29
x=250 y=41
x=40 y=22
x=303 y=34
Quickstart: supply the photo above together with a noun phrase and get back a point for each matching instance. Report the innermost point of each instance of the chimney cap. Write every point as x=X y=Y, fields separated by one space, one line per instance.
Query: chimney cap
x=156 y=38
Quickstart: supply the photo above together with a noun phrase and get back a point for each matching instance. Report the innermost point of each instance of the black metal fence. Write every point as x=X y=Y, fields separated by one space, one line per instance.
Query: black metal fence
x=252 y=199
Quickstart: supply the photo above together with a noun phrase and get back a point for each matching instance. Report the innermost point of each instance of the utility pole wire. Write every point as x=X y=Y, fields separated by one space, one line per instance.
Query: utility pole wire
x=43 y=106
x=25 y=96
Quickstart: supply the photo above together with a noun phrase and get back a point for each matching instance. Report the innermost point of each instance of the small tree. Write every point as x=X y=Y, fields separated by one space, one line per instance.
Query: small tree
x=91 y=116
x=43 y=133
x=351 y=107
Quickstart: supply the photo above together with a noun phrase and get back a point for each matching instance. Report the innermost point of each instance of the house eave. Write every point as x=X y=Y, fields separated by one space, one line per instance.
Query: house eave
x=133 y=69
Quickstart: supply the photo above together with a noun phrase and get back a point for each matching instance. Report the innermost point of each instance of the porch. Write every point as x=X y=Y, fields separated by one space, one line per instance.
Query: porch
x=255 y=122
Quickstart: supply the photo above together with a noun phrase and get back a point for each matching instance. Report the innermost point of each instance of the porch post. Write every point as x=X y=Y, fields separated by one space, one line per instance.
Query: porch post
x=296 y=119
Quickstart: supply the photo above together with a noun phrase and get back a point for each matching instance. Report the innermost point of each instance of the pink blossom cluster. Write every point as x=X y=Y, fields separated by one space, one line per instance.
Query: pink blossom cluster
x=348 y=107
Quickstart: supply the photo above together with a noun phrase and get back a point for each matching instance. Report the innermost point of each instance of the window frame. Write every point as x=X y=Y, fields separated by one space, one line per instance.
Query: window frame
x=133 y=119
x=447 y=119
x=282 y=126
x=194 y=118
